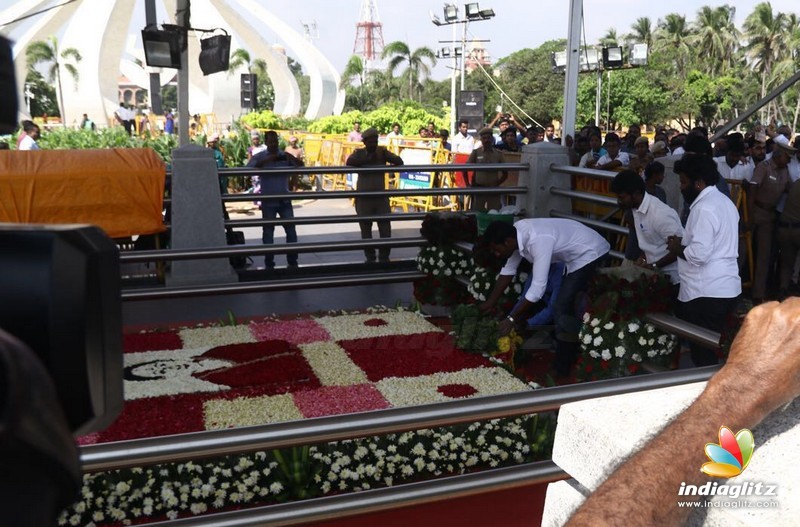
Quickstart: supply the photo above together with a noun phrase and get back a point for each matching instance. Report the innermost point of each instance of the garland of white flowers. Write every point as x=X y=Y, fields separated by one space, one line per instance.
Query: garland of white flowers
x=626 y=341
x=352 y=465
x=481 y=282
x=443 y=261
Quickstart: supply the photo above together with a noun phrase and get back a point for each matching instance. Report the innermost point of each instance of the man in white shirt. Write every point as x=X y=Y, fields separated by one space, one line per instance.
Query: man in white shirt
x=654 y=222
x=614 y=158
x=543 y=241
x=462 y=142
x=31 y=132
x=707 y=254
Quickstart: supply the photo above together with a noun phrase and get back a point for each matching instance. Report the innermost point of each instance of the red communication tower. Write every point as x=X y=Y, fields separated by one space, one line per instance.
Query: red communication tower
x=369 y=34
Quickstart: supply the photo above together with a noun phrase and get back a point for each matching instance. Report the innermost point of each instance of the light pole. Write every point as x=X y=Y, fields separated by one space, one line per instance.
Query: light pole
x=472 y=12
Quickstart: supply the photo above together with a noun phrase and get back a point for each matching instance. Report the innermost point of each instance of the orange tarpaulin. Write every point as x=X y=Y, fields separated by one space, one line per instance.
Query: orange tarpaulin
x=121 y=190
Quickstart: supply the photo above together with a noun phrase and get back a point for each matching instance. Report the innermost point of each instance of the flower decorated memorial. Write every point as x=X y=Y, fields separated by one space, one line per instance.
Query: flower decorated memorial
x=273 y=370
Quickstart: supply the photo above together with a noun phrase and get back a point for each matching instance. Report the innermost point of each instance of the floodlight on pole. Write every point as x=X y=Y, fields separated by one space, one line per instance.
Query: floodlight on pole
x=163 y=47
x=472 y=12
x=638 y=55
x=450 y=13
x=612 y=57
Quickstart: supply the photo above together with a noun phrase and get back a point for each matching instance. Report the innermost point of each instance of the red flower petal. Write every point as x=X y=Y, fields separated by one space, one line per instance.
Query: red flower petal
x=409 y=355
x=456 y=391
x=156 y=341
x=335 y=400
x=375 y=322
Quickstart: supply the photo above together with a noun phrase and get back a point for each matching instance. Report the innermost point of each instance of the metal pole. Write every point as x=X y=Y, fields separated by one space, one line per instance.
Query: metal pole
x=573 y=63
x=311 y=511
x=169 y=449
x=182 y=17
x=757 y=106
x=608 y=104
x=464 y=49
x=155 y=78
x=452 y=88
x=598 y=97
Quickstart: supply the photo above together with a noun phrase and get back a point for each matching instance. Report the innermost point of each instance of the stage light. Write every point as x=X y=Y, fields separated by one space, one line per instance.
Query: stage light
x=639 y=55
x=450 y=13
x=472 y=11
x=559 y=61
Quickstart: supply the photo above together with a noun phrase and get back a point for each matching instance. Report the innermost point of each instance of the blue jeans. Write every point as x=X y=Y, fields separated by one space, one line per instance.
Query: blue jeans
x=270 y=209
x=567 y=323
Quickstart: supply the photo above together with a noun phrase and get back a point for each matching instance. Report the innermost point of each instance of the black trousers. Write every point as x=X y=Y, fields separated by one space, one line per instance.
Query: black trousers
x=709 y=313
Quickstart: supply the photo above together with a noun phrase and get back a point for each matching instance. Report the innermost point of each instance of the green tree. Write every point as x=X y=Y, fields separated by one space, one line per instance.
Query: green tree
x=635 y=98
x=354 y=70
x=642 y=31
x=673 y=38
x=44 y=99
x=610 y=38
x=715 y=33
x=47 y=54
x=527 y=78
x=417 y=70
x=766 y=36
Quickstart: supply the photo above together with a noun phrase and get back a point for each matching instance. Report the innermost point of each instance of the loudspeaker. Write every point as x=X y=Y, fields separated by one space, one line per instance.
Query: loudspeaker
x=249 y=84
x=60 y=287
x=470 y=104
x=215 y=54
x=8 y=89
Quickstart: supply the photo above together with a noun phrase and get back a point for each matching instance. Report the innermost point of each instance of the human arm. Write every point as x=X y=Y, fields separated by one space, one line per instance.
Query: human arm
x=765 y=357
x=507 y=273
x=357 y=158
x=393 y=159
x=472 y=158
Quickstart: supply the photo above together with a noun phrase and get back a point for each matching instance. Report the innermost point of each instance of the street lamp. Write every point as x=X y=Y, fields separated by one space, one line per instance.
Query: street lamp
x=472 y=12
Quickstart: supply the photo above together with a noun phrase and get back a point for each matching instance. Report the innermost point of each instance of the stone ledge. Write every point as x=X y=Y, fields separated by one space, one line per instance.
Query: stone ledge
x=593 y=437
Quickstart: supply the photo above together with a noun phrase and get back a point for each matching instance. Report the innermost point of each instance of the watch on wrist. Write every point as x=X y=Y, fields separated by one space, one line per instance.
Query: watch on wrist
x=654 y=267
x=511 y=319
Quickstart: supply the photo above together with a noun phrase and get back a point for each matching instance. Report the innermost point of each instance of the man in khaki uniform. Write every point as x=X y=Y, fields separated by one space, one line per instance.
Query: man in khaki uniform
x=486 y=153
x=770 y=182
x=789 y=234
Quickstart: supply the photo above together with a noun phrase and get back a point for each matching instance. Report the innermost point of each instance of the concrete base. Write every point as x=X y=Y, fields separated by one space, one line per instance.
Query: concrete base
x=197 y=219
x=594 y=437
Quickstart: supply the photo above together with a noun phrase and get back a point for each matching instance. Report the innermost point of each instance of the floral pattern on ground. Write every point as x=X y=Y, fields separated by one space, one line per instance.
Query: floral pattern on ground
x=352 y=326
x=299 y=331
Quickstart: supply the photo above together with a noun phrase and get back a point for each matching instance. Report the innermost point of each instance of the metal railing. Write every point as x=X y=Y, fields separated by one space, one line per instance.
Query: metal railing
x=184 y=447
x=370 y=501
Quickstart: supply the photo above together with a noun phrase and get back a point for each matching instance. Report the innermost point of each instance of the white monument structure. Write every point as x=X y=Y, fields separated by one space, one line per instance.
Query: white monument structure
x=100 y=30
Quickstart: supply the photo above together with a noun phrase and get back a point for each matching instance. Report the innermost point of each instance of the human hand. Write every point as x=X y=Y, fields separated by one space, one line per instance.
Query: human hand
x=504 y=327
x=674 y=244
x=765 y=356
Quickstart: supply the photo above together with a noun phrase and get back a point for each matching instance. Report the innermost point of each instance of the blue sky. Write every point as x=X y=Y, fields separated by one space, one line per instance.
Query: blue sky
x=518 y=24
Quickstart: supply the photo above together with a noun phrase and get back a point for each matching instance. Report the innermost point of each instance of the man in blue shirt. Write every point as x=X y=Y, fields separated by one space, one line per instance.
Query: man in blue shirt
x=276 y=183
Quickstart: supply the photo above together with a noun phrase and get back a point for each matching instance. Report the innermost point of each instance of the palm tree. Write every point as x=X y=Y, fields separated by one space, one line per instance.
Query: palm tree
x=610 y=38
x=47 y=53
x=382 y=87
x=716 y=35
x=766 y=36
x=354 y=70
x=673 y=34
x=642 y=31
x=417 y=70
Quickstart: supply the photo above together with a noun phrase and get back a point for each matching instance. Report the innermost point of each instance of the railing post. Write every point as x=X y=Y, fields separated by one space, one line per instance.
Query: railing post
x=197 y=219
x=539 y=178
